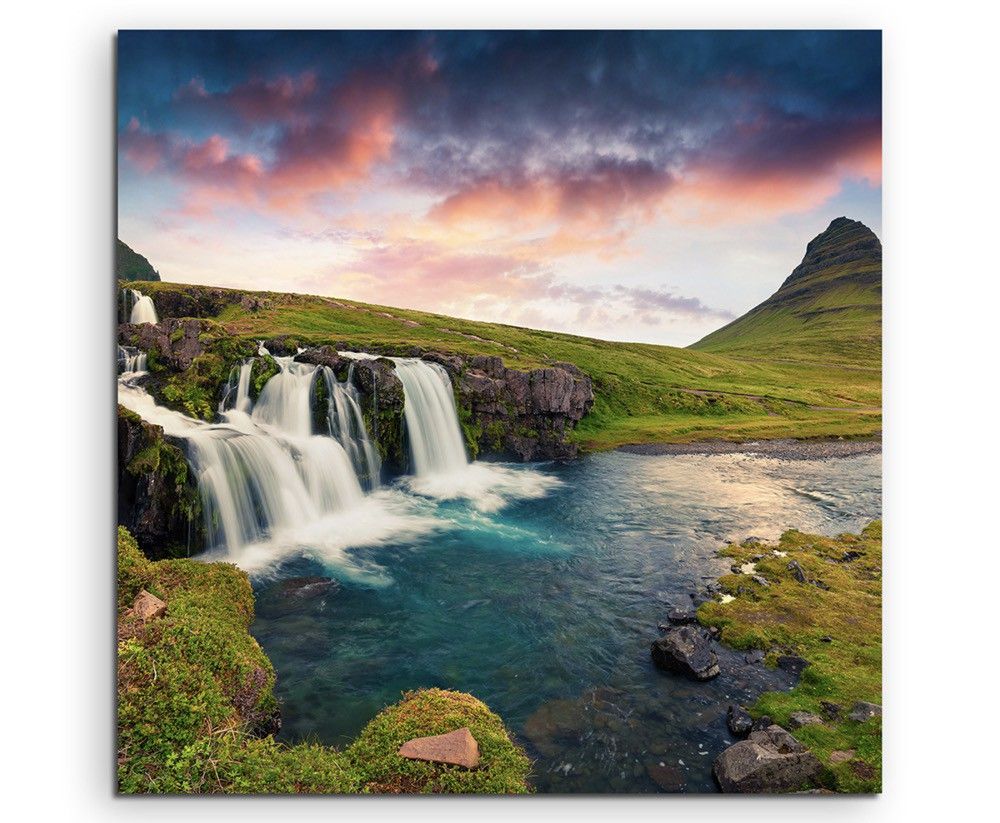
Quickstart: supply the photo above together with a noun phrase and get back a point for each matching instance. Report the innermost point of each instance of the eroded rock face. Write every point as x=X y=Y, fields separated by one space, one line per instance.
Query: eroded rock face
x=156 y=503
x=686 y=650
x=457 y=748
x=520 y=415
x=769 y=761
x=175 y=342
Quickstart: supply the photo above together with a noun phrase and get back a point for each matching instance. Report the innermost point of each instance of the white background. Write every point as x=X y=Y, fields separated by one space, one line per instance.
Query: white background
x=940 y=231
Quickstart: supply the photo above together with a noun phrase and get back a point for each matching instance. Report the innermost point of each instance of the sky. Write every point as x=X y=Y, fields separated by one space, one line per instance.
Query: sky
x=646 y=186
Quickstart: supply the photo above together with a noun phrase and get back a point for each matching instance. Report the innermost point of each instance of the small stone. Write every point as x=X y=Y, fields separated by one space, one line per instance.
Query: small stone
x=738 y=721
x=831 y=711
x=797 y=571
x=762 y=723
x=842 y=756
x=458 y=748
x=862 y=711
x=799 y=719
x=826 y=639
x=760 y=581
x=148 y=606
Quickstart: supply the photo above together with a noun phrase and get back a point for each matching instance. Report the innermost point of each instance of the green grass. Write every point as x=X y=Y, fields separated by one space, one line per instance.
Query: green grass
x=195 y=696
x=792 y=617
x=643 y=392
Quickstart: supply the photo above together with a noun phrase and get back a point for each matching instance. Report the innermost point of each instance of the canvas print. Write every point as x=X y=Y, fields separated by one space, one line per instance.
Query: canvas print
x=498 y=412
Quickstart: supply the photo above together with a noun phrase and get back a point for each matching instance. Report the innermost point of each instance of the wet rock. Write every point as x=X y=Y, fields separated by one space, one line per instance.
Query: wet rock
x=738 y=721
x=325 y=356
x=792 y=663
x=769 y=761
x=686 y=650
x=797 y=720
x=668 y=778
x=458 y=748
x=862 y=711
x=797 y=571
x=148 y=606
x=842 y=755
x=680 y=616
x=175 y=342
x=754 y=656
x=762 y=723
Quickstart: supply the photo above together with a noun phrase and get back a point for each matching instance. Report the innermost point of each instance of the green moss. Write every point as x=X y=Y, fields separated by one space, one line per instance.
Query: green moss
x=263 y=369
x=195 y=694
x=503 y=768
x=471 y=429
x=838 y=629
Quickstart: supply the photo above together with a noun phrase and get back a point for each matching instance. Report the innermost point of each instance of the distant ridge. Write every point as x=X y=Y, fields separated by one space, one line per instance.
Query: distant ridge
x=829 y=309
x=130 y=265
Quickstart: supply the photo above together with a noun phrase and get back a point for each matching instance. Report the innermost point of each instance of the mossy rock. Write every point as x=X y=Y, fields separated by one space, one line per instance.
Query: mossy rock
x=503 y=767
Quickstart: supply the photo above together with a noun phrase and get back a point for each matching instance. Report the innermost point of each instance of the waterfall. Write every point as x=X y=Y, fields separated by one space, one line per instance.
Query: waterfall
x=347 y=426
x=238 y=389
x=131 y=360
x=139 y=307
x=435 y=438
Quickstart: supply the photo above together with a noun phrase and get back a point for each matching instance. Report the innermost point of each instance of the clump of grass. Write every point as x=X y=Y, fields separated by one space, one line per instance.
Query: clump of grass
x=196 y=704
x=836 y=626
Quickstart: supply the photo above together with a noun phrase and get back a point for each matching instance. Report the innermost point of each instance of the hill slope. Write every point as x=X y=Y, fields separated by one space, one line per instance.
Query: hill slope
x=130 y=265
x=643 y=393
x=829 y=310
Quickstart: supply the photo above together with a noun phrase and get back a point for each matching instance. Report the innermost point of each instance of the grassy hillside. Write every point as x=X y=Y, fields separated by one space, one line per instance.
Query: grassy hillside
x=130 y=265
x=644 y=393
x=829 y=310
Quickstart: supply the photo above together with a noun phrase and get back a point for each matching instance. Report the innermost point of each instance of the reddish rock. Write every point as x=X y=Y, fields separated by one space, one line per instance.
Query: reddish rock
x=147 y=606
x=458 y=748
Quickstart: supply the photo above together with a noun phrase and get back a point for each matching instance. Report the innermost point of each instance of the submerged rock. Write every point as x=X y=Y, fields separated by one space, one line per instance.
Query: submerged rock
x=308 y=588
x=668 y=778
x=769 y=761
x=458 y=748
x=686 y=650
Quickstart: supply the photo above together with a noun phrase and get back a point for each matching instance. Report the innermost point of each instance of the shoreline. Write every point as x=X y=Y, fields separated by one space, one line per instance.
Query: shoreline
x=781 y=449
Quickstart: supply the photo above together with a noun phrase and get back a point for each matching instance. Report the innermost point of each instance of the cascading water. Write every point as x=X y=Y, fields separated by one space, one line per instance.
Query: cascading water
x=138 y=307
x=131 y=360
x=436 y=443
x=347 y=426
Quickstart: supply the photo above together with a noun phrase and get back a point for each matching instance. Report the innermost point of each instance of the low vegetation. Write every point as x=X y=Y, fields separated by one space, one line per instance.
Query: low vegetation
x=196 y=706
x=834 y=621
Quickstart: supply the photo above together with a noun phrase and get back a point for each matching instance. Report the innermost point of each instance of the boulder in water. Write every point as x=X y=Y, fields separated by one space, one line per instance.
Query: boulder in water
x=769 y=761
x=457 y=748
x=686 y=650
x=738 y=721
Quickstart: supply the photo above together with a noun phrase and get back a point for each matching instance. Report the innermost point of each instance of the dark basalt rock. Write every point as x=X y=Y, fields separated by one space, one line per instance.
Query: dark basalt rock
x=797 y=572
x=686 y=650
x=679 y=616
x=738 y=721
x=156 y=501
x=831 y=711
x=769 y=761
x=325 y=356
x=521 y=415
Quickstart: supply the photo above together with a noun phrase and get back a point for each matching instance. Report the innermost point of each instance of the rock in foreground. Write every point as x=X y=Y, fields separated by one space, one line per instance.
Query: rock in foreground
x=148 y=606
x=686 y=650
x=769 y=761
x=458 y=748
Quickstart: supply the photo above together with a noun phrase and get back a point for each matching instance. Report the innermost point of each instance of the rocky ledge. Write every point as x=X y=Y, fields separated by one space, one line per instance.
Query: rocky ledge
x=509 y=414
